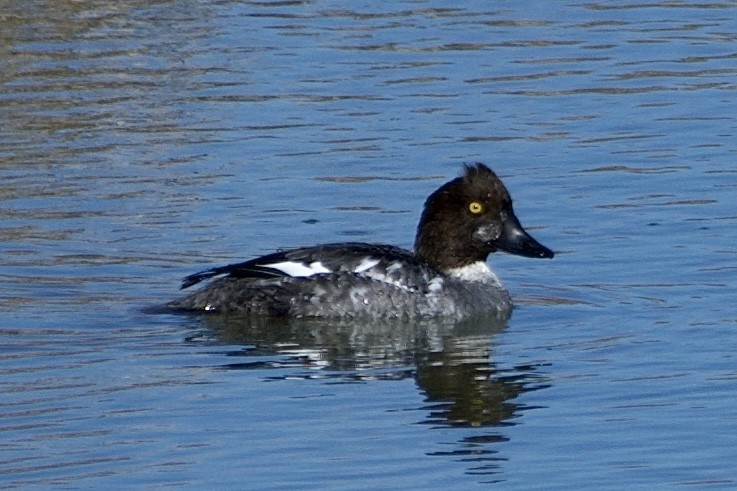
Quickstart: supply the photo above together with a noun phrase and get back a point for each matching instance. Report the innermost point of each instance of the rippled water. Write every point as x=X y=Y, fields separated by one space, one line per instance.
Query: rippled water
x=143 y=141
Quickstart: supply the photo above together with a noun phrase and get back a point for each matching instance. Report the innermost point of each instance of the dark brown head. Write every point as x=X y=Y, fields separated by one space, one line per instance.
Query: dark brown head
x=470 y=217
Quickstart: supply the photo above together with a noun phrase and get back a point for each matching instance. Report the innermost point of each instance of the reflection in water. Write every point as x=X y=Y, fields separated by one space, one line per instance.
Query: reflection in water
x=449 y=362
x=466 y=384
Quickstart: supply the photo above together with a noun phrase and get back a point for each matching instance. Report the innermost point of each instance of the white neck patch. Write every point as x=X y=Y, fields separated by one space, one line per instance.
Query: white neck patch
x=478 y=271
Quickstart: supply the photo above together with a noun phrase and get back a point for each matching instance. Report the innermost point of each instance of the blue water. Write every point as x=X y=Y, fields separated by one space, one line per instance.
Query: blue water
x=141 y=142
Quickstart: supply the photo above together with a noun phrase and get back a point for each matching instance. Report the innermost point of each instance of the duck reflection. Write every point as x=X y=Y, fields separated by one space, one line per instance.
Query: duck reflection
x=450 y=362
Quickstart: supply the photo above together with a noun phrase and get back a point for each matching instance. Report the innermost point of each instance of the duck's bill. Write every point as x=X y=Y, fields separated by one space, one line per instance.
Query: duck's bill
x=515 y=240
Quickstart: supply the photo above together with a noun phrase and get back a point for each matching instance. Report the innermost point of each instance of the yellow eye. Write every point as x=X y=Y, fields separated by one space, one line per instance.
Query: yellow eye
x=475 y=207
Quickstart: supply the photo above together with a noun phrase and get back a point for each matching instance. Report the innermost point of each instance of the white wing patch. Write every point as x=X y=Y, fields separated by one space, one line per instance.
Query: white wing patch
x=293 y=268
x=435 y=285
x=366 y=263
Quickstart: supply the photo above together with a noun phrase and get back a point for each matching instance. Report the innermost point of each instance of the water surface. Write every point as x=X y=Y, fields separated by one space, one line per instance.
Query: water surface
x=144 y=141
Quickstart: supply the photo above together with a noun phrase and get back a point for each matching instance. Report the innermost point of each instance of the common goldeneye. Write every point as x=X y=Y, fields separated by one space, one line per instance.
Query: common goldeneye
x=463 y=222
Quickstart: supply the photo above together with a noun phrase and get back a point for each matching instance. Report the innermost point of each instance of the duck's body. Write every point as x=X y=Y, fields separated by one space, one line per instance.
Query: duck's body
x=462 y=223
x=348 y=280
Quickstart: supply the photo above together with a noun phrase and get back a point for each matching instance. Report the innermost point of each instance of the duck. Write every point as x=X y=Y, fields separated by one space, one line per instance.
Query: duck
x=445 y=275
